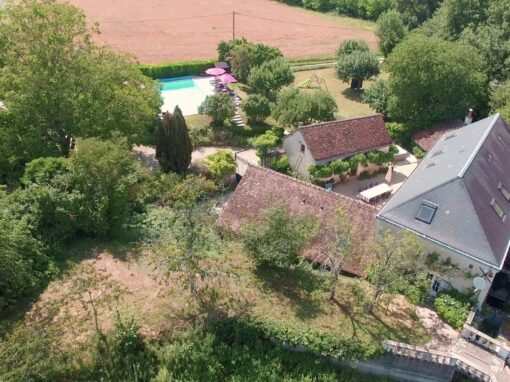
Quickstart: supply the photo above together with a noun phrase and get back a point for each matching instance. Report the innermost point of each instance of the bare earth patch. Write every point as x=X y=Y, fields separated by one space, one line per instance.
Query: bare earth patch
x=158 y=31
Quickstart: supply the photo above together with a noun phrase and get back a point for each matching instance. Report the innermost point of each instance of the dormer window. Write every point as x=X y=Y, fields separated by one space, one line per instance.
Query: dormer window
x=426 y=212
x=497 y=208
x=504 y=191
x=449 y=136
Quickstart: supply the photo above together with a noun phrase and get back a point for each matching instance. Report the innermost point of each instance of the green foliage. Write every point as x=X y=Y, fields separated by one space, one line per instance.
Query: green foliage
x=122 y=355
x=294 y=106
x=483 y=24
x=500 y=99
x=348 y=47
x=280 y=164
x=175 y=69
x=57 y=84
x=239 y=350
x=417 y=290
x=244 y=55
x=257 y=108
x=415 y=12
x=434 y=80
x=173 y=144
x=453 y=307
x=265 y=143
x=191 y=190
x=418 y=152
x=390 y=31
x=219 y=107
x=24 y=264
x=276 y=237
x=336 y=167
x=270 y=77
x=364 y=9
x=394 y=264
x=358 y=66
x=377 y=96
x=221 y=163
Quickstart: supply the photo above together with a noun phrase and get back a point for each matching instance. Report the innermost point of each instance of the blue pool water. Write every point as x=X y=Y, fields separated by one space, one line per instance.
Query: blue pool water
x=177 y=83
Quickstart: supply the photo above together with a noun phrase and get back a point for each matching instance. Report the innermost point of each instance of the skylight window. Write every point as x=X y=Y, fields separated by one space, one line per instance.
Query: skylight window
x=497 y=208
x=438 y=152
x=449 y=136
x=431 y=164
x=504 y=191
x=426 y=212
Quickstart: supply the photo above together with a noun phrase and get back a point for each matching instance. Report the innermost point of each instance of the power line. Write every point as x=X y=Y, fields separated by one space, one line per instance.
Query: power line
x=287 y=21
x=165 y=19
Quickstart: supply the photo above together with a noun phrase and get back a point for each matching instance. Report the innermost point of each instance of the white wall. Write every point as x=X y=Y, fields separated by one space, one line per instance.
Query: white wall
x=298 y=160
x=457 y=278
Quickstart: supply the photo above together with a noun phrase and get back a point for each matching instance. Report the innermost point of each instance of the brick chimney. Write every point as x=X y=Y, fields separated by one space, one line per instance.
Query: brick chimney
x=469 y=117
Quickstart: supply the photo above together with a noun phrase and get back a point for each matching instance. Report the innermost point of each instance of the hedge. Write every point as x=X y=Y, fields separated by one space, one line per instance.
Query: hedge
x=313 y=340
x=176 y=69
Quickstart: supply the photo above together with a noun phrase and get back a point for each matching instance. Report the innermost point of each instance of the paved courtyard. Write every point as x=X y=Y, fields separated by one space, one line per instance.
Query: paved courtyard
x=401 y=172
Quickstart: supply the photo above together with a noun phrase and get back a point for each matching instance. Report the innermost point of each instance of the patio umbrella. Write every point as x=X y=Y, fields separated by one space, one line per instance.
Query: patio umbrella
x=227 y=78
x=215 y=71
x=389 y=174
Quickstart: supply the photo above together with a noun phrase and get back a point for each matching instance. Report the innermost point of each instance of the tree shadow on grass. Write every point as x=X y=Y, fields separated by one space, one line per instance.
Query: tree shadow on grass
x=297 y=285
x=353 y=94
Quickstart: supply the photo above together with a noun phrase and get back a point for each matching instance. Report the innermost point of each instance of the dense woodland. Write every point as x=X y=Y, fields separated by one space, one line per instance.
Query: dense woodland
x=73 y=112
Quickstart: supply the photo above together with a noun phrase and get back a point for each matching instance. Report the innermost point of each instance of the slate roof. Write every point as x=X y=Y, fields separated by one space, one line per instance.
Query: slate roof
x=461 y=174
x=261 y=188
x=427 y=138
x=337 y=139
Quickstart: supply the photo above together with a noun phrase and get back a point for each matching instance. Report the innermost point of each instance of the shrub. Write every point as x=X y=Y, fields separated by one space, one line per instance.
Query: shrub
x=175 y=69
x=276 y=238
x=257 y=108
x=453 y=307
x=280 y=164
x=221 y=163
x=390 y=31
x=219 y=107
x=418 y=152
x=192 y=189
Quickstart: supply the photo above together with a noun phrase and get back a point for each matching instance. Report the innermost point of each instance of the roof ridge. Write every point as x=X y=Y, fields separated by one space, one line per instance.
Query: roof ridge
x=479 y=146
x=330 y=194
x=320 y=124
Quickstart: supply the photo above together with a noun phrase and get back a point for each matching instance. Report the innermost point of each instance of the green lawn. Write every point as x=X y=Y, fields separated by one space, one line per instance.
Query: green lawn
x=348 y=100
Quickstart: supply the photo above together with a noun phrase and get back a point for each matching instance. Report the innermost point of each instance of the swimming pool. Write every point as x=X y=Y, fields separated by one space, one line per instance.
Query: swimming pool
x=186 y=92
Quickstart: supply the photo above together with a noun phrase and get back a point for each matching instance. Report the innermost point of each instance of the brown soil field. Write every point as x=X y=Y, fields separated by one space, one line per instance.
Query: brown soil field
x=157 y=31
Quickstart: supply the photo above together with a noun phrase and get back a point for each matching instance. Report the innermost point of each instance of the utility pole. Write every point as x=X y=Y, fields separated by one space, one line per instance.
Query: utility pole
x=233 y=25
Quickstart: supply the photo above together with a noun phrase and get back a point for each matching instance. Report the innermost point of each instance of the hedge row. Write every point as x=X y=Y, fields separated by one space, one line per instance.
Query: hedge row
x=176 y=69
x=313 y=340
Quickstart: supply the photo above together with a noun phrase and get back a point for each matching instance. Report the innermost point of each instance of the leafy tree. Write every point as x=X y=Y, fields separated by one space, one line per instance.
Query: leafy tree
x=377 y=96
x=265 y=143
x=58 y=85
x=294 y=106
x=500 y=99
x=275 y=239
x=191 y=190
x=415 y=12
x=221 y=163
x=349 y=46
x=173 y=144
x=244 y=56
x=357 y=67
x=434 y=80
x=390 y=31
x=270 y=77
x=225 y=47
x=257 y=108
x=333 y=255
x=394 y=264
x=219 y=107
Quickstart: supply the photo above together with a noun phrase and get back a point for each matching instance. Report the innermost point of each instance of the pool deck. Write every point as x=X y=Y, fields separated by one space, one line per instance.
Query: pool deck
x=188 y=99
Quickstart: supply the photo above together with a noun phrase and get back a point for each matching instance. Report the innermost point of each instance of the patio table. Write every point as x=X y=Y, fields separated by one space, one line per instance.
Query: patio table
x=374 y=192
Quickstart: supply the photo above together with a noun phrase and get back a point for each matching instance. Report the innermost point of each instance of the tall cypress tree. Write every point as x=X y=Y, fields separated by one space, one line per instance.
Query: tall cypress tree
x=173 y=144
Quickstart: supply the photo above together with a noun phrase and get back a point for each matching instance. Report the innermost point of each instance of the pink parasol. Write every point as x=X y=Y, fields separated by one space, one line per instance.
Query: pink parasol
x=215 y=71
x=227 y=78
x=389 y=174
